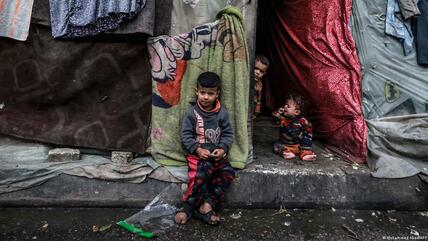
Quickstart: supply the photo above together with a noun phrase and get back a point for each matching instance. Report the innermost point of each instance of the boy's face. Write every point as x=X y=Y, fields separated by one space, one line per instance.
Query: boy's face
x=260 y=70
x=206 y=96
x=291 y=108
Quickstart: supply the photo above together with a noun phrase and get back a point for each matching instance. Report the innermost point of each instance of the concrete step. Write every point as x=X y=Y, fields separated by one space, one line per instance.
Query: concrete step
x=262 y=185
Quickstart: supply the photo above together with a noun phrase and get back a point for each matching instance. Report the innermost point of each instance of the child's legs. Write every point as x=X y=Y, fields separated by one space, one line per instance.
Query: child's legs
x=295 y=149
x=199 y=174
x=278 y=148
x=220 y=181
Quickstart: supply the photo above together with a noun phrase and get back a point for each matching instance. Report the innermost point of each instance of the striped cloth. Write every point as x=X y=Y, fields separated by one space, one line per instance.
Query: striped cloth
x=15 y=17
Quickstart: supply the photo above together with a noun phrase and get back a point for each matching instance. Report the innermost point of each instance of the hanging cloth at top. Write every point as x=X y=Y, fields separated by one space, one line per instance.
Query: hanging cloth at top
x=78 y=18
x=15 y=17
x=398 y=28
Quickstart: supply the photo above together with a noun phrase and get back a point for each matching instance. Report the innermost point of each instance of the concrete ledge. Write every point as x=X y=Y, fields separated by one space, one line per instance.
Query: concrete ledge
x=259 y=186
x=271 y=187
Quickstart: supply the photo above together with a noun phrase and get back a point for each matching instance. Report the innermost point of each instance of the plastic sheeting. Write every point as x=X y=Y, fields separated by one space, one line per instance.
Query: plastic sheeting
x=394 y=96
x=312 y=52
x=158 y=216
x=25 y=164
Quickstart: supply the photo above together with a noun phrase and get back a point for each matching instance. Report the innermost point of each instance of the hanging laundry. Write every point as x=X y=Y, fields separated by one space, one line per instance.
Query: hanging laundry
x=398 y=28
x=409 y=8
x=15 y=17
x=80 y=18
x=422 y=34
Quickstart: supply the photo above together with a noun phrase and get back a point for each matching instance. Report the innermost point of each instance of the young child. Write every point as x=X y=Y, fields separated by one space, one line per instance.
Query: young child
x=206 y=135
x=295 y=135
x=260 y=68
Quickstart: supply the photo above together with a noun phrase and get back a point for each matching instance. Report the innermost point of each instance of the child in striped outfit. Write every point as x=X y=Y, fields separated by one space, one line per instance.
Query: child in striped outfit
x=295 y=135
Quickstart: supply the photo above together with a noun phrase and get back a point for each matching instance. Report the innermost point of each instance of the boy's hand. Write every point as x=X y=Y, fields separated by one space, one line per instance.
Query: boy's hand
x=218 y=154
x=202 y=153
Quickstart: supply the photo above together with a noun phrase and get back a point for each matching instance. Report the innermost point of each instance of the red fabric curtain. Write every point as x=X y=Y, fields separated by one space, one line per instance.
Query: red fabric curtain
x=313 y=53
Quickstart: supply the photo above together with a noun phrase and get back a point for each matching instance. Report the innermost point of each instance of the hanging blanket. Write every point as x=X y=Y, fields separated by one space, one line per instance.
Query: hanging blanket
x=177 y=61
x=15 y=17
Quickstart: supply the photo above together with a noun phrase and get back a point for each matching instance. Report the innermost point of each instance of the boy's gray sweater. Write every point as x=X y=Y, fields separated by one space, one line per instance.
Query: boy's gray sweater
x=201 y=127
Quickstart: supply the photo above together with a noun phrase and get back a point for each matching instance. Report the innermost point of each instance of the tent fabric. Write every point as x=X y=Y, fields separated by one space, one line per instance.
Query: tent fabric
x=79 y=18
x=395 y=97
x=312 y=53
x=176 y=62
x=87 y=94
x=189 y=14
x=398 y=146
x=15 y=17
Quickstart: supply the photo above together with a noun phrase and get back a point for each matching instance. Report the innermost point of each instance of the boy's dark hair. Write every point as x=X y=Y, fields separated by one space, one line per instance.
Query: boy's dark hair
x=263 y=59
x=209 y=80
x=299 y=100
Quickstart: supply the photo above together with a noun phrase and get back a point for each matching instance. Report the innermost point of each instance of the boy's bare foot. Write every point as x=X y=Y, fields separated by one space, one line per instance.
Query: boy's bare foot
x=181 y=218
x=206 y=208
x=311 y=157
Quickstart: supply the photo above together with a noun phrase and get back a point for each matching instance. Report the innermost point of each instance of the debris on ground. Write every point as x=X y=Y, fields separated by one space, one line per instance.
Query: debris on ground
x=423 y=214
x=287 y=223
x=355 y=166
x=333 y=209
x=281 y=210
x=105 y=227
x=359 y=220
x=236 y=215
x=392 y=220
x=44 y=227
x=414 y=232
x=352 y=234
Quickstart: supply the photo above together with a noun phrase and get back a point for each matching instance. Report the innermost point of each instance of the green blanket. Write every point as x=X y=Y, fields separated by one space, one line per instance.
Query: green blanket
x=177 y=61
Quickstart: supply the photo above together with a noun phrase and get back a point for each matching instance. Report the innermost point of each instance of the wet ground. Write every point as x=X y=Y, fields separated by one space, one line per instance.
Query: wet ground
x=81 y=224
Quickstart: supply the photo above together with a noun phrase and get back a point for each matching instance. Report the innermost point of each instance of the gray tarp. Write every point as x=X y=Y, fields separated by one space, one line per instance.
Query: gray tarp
x=24 y=164
x=393 y=85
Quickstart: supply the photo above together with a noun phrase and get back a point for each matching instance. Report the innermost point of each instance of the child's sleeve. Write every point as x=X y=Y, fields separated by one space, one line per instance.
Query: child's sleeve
x=226 y=137
x=188 y=133
x=306 y=140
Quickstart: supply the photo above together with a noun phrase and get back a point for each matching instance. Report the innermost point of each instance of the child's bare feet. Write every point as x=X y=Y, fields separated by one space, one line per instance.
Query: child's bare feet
x=181 y=218
x=206 y=208
x=288 y=155
x=311 y=157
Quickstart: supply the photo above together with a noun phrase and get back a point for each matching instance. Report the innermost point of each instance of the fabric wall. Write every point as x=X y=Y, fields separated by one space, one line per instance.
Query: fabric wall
x=77 y=93
x=312 y=53
x=395 y=100
x=177 y=61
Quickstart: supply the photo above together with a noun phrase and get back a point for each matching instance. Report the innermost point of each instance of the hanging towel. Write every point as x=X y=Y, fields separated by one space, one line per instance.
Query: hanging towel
x=15 y=17
x=176 y=63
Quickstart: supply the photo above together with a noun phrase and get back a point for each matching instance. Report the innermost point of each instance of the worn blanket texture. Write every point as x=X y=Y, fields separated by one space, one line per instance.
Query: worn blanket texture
x=177 y=61
x=89 y=94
